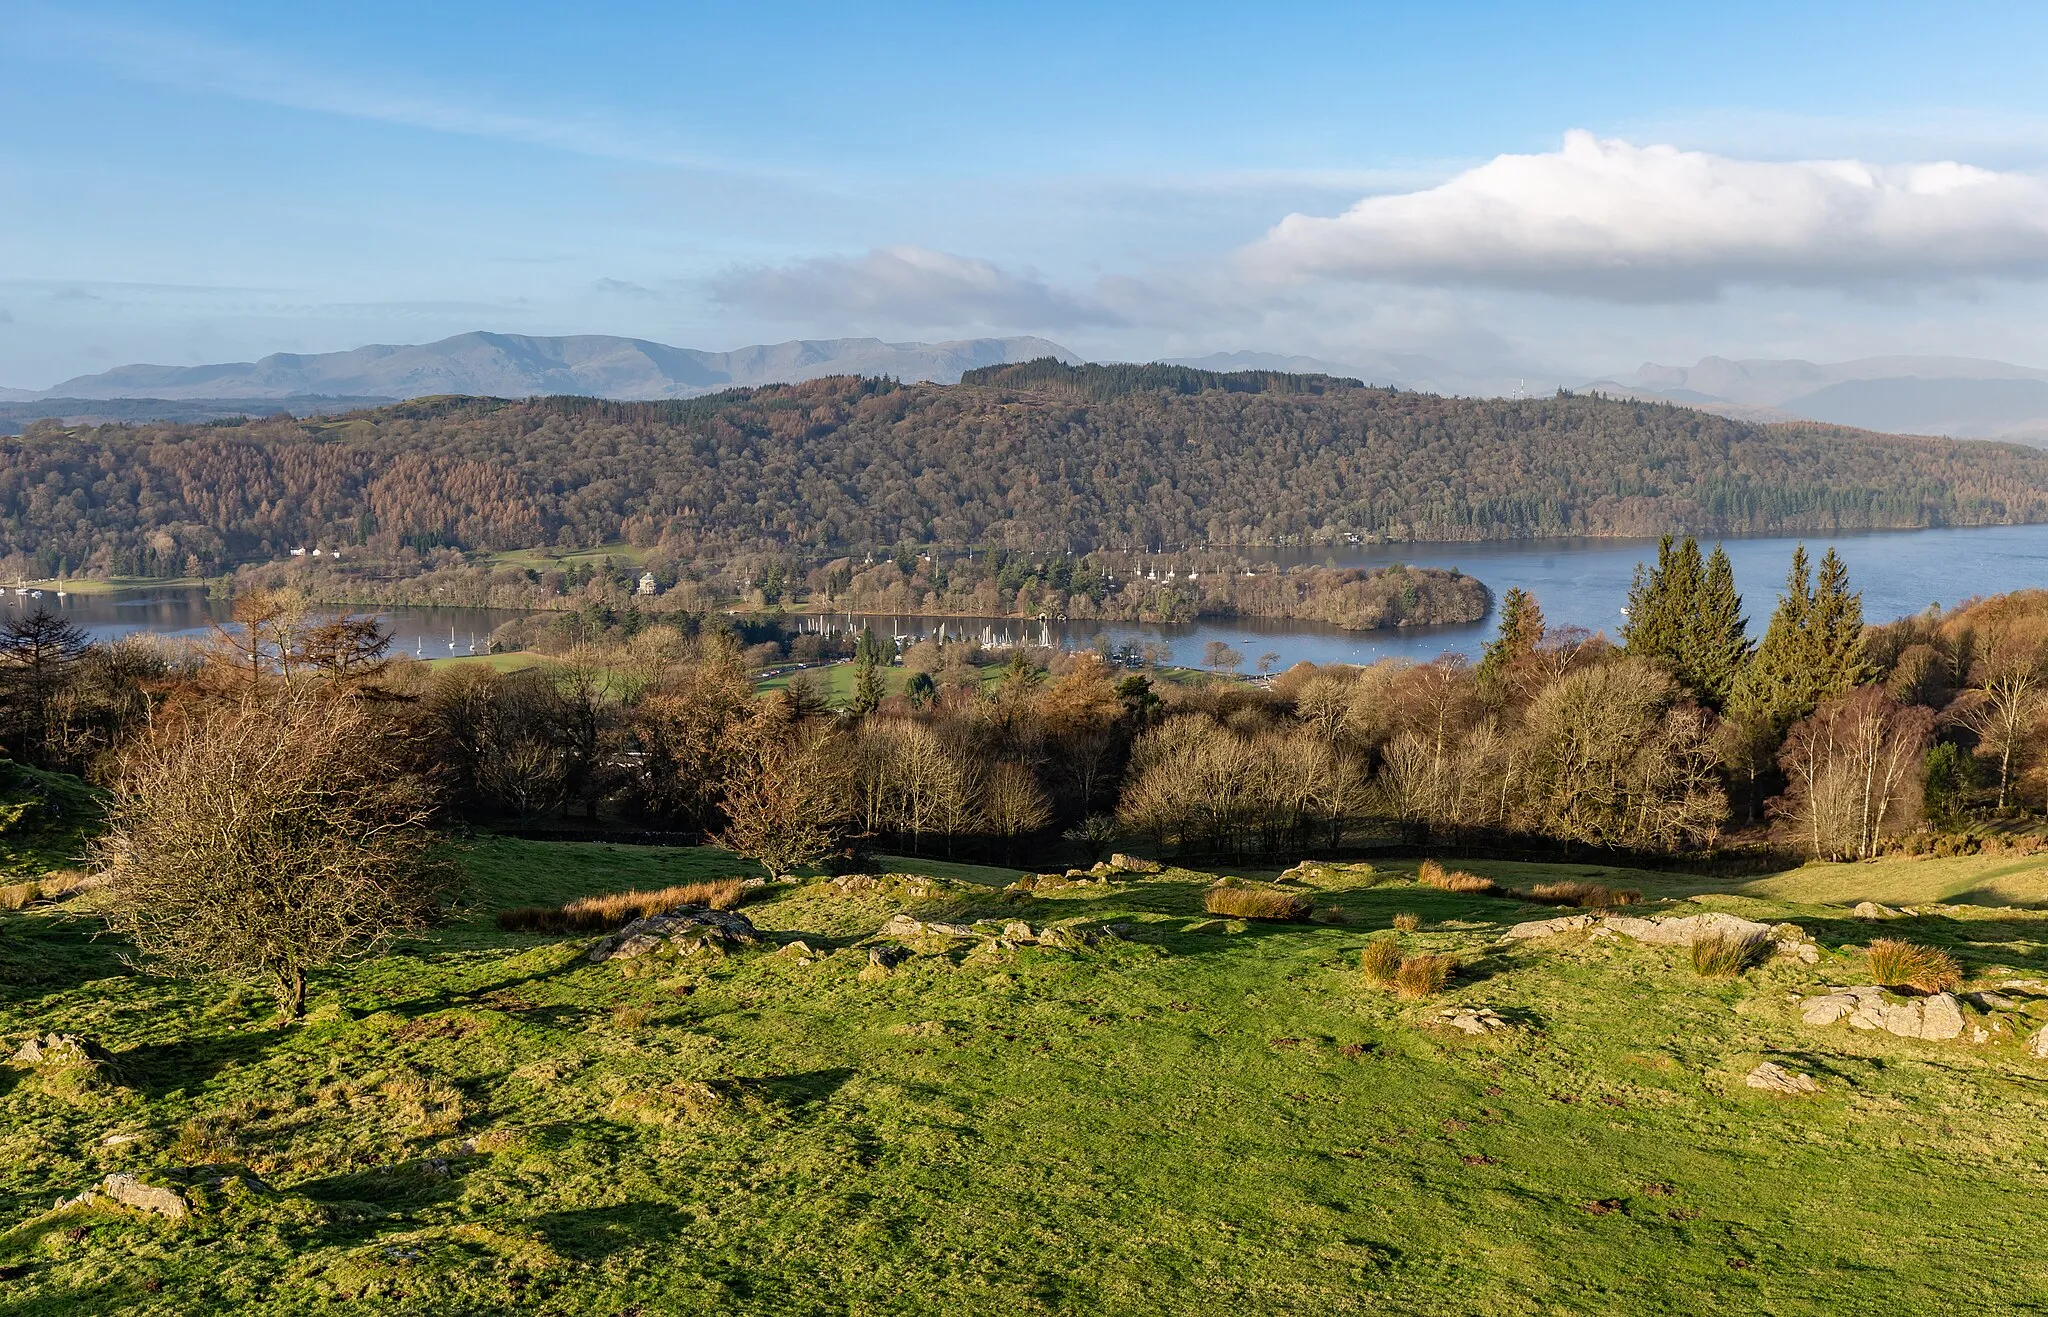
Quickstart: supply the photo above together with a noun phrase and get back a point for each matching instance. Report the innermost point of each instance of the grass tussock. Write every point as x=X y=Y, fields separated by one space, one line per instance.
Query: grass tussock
x=1722 y=957
x=1407 y=921
x=50 y=887
x=1256 y=903
x=1381 y=961
x=1432 y=874
x=1424 y=976
x=1584 y=895
x=600 y=914
x=1411 y=977
x=1896 y=963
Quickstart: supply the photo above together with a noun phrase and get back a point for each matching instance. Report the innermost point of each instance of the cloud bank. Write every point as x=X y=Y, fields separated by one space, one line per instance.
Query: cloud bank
x=908 y=286
x=1603 y=218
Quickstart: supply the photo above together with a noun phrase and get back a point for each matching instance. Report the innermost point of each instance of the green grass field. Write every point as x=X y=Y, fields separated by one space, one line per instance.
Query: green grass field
x=1228 y=1121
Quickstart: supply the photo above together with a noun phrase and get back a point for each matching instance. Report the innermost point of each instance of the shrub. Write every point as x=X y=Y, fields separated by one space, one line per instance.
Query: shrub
x=1381 y=961
x=1432 y=874
x=1723 y=957
x=1407 y=921
x=1423 y=976
x=601 y=914
x=1899 y=964
x=1256 y=903
x=1586 y=896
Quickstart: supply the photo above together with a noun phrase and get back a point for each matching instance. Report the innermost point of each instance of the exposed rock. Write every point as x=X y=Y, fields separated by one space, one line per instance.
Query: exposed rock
x=1936 y=1018
x=1872 y=910
x=1804 y=952
x=687 y=930
x=1133 y=864
x=1473 y=1020
x=1988 y=1001
x=1685 y=930
x=2037 y=1046
x=58 y=1050
x=1018 y=931
x=1940 y=1017
x=1547 y=927
x=888 y=957
x=1821 y=1011
x=1774 y=1078
x=753 y=884
x=799 y=951
x=123 y=1190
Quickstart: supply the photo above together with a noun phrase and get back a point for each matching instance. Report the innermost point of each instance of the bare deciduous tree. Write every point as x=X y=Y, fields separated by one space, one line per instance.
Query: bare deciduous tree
x=1853 y=770
x=790 y=800
x=271 y=837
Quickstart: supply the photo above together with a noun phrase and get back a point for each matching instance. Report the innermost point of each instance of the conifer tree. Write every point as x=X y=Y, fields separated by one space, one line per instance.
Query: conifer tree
x=1813 y=648
x=1718 y=646
x=869 y=686
x=1514 y=643
x=1837 y=626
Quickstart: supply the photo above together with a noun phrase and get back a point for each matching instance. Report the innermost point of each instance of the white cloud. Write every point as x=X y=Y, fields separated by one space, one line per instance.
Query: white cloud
x=908 y=286
x=1606 y=219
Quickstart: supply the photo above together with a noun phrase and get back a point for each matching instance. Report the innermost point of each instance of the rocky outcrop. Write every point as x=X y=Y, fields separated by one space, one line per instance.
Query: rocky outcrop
x=1535 y=928
x=123 y=1190
x=1133 y=864
x=1474 y=1020
x=59 y=1050
x=1937 y=1018
x=1685 y=930
x=1770 y=1077
x=685 y=931
x=1872 y=910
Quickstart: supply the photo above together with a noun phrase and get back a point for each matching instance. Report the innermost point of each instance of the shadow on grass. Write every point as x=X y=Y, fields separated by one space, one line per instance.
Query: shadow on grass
x=801 y=1094
x=591 y=1234
x=44 y=953
x=159 y=1068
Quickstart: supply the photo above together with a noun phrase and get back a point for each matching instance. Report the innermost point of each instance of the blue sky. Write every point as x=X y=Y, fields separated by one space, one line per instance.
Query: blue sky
x=1568 y=189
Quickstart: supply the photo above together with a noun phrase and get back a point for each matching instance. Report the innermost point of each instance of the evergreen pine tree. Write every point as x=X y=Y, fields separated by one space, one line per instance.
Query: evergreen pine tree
x=1520 y=632
x=869 y=686
x=1781 y=686
x=1836 y=625
x=1718 y=647
x=1649 y=631
x=1665 y=606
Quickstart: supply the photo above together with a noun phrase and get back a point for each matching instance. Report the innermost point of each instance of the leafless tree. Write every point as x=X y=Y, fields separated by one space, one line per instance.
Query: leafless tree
x=269 y=835
x=1853 y=770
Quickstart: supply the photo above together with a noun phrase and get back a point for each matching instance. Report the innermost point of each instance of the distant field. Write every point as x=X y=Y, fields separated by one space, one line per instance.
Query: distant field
x=1177 y=1121
x=541 y=558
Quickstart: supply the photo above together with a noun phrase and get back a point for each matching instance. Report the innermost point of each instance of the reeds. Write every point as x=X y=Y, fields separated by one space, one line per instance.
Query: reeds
x=1895 y=963
x=1256 y=903
x=1424 y=976
x=1584 y=895
x=1723 y=957
x=1432 y=874
x=1381 y=960
x=1410 y=977
x=1407 y=921
x=598 y=914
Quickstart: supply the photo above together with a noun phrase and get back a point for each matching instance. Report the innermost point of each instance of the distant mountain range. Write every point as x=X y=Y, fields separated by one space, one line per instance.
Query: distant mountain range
x=519 y=365
x=1961 y=397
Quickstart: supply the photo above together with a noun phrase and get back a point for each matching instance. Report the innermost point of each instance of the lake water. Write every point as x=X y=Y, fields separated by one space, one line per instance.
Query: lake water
x=1578 y=582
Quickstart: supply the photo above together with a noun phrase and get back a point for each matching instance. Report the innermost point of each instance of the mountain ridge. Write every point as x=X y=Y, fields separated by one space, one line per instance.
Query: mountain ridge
x=483 y=363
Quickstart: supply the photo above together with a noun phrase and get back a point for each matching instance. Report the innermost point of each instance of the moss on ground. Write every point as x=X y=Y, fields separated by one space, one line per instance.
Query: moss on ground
x=1173 y=1121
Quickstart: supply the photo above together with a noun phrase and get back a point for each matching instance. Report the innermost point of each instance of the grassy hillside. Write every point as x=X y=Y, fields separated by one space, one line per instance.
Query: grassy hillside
x=1223 y=1121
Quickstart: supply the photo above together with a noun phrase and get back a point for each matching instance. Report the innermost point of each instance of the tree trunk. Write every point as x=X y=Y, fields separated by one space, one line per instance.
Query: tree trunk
x=291 y=993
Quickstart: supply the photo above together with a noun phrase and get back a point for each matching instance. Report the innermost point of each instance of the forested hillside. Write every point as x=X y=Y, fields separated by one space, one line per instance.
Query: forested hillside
x=1041 y=457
